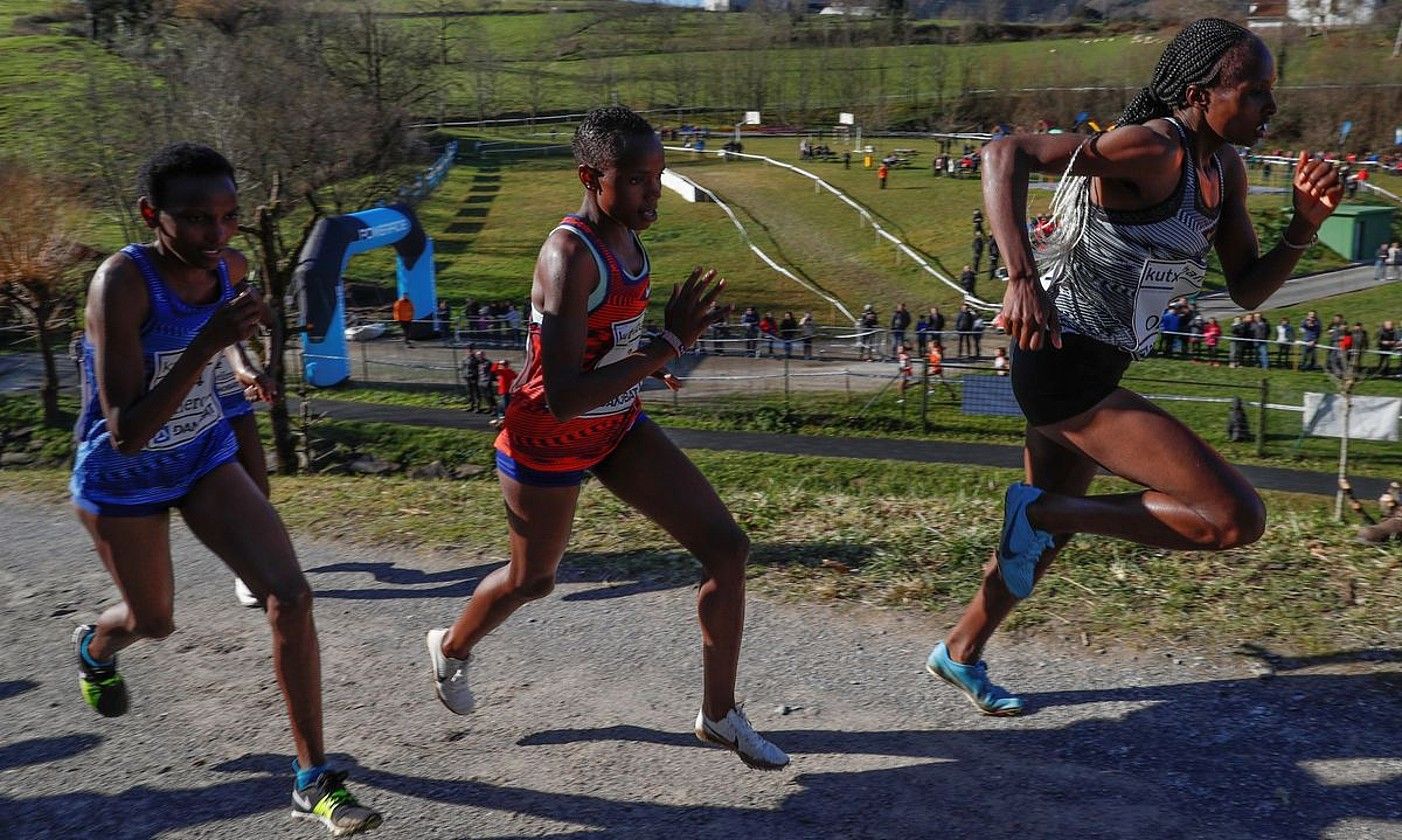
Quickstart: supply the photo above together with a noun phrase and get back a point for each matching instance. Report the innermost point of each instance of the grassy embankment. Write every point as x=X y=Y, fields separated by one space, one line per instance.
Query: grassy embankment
x=909 y=536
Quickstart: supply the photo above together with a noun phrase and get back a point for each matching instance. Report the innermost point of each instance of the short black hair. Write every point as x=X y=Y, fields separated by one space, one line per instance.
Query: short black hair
x=180 y=160
x=603 y=137
x=1208 y=52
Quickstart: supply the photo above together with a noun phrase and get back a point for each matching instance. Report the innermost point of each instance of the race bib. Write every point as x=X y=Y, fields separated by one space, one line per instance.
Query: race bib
x=626 y=337
x=198 y=411
x=1159 y=282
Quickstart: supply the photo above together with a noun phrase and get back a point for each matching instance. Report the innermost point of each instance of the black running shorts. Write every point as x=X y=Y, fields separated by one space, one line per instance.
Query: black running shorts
x=1052 y=385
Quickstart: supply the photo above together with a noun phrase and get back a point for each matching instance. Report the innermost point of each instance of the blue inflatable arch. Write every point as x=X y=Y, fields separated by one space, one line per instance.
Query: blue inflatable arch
x=322 y=263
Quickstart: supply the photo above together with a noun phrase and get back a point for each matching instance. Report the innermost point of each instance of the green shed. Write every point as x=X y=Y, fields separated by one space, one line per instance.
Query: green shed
x=1356 y=230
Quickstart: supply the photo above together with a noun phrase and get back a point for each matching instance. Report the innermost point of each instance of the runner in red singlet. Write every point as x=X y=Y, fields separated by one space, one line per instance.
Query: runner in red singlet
x=575 y=407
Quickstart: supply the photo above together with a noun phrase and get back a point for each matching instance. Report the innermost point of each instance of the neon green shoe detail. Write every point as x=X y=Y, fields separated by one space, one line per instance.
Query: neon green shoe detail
x=107 y=695
x=103 y=688
x=327 y=801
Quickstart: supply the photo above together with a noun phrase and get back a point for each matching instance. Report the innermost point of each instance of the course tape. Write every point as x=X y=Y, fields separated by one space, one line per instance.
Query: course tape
x=867 y=217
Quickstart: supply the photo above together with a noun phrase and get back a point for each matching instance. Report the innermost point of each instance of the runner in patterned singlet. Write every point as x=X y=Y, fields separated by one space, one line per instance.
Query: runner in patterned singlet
x=575 y=408
x=531 y=435
x=1114 y=280
x=153 y=436
x=1138 y=210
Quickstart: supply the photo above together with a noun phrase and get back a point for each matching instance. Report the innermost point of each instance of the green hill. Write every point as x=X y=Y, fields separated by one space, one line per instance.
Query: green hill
x=490 y=217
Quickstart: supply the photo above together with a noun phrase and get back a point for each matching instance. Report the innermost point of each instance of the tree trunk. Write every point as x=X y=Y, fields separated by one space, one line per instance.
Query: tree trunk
x=279 y=263
x=283 y=444
x=278 y=270
x=48 y=394
x=1347 y=394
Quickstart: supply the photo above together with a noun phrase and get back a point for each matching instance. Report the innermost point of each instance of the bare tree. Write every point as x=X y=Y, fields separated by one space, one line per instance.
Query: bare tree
x=41 y=258
x=682 y=71
x=230 y=17
x=382 y=62
x=484 y=77
x=293 y=126
x=1347 y=370
x=937 y=70
x=447 y=19
x=752 y=72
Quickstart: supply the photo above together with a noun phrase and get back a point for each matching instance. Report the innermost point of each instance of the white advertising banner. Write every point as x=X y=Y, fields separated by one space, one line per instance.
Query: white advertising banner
x=1371 y=418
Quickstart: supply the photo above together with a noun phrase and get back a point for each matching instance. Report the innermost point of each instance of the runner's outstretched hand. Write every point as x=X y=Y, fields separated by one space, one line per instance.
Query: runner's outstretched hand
x=257 y=387
x=692 y=307
x=1318 y=189
x=1028 y=316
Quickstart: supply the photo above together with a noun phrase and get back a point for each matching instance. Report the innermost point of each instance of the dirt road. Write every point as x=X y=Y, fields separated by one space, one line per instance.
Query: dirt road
x=587 y=703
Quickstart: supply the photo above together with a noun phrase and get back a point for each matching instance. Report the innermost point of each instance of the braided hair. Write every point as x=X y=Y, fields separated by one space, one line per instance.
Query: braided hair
x=1205 y=52
x=605 y=134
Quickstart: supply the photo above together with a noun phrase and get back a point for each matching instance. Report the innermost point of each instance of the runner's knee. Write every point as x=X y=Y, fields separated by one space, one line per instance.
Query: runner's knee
x=726 y=552
x=533 y=586
x=289 y=598
x=1238 y=521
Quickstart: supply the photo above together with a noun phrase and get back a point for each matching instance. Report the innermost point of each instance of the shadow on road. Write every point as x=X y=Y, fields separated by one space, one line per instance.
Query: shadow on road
x=1240 y=755
x=11 y=688
x=619 y=574
x=43 y=750
x=402 y=582
x=1286 y=757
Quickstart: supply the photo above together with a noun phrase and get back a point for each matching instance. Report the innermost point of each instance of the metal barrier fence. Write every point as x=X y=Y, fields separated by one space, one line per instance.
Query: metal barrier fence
x=846 y=388
x=883 y=344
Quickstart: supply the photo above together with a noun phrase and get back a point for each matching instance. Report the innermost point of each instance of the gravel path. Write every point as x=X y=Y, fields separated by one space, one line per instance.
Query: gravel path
x=588 y=698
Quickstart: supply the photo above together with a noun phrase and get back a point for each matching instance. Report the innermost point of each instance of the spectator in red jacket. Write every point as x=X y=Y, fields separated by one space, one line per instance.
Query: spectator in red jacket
x=505 y=376
x=769 y=328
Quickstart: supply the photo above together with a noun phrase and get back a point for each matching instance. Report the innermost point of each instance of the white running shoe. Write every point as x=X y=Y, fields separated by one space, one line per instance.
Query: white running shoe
x=735 y=733
x=449 y=676
x=244 y=595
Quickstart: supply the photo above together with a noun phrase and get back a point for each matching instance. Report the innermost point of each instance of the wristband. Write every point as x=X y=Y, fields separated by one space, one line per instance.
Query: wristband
x=1284 y=240
x=671 y=339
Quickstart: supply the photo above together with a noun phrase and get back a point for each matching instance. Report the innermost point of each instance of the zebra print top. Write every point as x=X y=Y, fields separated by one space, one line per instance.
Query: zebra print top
x=1114 y=271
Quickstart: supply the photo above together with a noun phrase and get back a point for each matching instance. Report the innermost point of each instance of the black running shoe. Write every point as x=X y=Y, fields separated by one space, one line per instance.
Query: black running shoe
x=102 y=688
x=327 y=801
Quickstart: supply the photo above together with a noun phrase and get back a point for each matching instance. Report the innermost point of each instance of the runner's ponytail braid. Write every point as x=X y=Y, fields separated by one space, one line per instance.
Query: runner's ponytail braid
x=1192 y=58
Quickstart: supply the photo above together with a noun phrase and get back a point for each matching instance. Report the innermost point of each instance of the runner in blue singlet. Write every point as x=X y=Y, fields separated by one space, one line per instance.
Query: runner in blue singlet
x=152 y=436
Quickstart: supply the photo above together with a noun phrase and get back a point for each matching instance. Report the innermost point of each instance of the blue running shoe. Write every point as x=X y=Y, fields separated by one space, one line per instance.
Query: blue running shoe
x=1021 y=545
x=973 y=681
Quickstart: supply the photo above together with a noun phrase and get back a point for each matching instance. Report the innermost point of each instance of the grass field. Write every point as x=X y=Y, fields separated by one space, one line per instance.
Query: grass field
x=490 y=216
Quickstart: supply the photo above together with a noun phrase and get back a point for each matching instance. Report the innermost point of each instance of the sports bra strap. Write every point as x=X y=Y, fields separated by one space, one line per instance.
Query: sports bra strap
x=602 y=258
x=154 y=287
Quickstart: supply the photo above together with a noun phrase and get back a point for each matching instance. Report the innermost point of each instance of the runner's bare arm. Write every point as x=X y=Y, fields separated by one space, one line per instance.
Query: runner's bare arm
x=1134 y=162
x=565 y=275
x=258 y=385
x=1252 y=277
x=116 y=308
